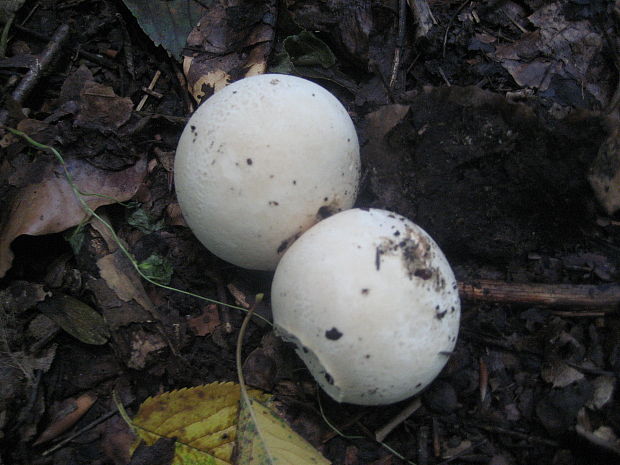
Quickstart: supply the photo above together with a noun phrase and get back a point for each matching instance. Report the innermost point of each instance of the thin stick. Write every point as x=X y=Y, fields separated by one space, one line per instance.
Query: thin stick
x=444 y=77
x=81 y=53
x=569 y=295
x=223 y=309
x=445 y=37
x=423 y=445
x=402 y=22
x=423 y=17
x=32 y=77
x=79 y=432
x=518 y=435
x=405 y=413
x=127 y=46
x=436 y=441
x=151 y=87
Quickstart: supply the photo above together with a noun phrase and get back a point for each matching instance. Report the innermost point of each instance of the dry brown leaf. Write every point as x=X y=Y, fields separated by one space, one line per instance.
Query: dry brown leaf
x=233 y=40
x=50 y=206
x=101 y=108
x=206 y=322
x=70 y=411
x=123 y=279
x=558 y=49
x=116 y=439
x=142 y=345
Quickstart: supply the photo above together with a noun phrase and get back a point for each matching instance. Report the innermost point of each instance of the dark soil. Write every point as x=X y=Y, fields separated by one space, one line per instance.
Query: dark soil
x=493 y=167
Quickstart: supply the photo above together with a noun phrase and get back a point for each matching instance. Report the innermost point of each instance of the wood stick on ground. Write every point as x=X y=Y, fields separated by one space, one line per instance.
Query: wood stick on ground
x=400 y=41
x=564 y=295
x=436 y=440
x=423 y=432
x=423 y=17
x=517 y=434
x=32 y=77
x=405 y=413
x=150 y=87
x=98 y=59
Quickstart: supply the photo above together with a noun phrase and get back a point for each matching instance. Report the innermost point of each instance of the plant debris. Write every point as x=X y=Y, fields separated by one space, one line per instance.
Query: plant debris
x=494 y=126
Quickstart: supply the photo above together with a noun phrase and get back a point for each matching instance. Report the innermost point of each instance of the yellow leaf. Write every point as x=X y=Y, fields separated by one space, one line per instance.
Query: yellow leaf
x=263 y=438
x=203 y=420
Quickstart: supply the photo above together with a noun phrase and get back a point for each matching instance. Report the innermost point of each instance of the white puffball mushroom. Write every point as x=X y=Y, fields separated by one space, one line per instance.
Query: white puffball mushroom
x=371 y=304
x=260 y=162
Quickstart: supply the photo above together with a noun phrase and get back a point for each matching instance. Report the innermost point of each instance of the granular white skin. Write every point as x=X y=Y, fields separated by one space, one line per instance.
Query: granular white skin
x=371 y=303
x=261 y=161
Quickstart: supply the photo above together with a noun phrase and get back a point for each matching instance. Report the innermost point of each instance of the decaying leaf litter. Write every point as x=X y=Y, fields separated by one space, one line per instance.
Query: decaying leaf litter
x=492 y=125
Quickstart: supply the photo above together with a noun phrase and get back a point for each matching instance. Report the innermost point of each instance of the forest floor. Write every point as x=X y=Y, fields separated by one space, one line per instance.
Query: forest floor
x=493 y=125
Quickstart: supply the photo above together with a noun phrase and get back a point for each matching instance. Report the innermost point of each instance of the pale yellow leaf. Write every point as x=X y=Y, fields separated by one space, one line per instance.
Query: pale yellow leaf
x=203 y=420
x=263 y=438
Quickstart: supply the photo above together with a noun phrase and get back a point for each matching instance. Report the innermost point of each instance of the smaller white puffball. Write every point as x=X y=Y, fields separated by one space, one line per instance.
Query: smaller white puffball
x=371 y=303
x=260 y=162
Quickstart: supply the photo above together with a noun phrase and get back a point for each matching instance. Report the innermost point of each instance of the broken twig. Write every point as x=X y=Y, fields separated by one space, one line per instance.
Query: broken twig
x=566 y=295
x=32 y=77
x=400 y=40
x=405 y=413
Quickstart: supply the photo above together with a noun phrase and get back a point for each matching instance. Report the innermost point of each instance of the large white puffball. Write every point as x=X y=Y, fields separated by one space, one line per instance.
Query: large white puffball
x=371 y=303
x=260 y=162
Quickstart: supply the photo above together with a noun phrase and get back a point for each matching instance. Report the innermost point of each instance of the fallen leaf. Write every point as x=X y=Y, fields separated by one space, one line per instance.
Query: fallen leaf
x=604 y=388
x=101 y=108
x=157 y=269
x=116 y=439
x=20 y=296
x=379 y=124
x=347 y=25
x=560 y=374
x=15 y=366
x=206 y=322
x=50 y=206
x=143 y=221
x=263 y=438
x=175 y=217
x=123 y=279
x=203 y=420
x=232 y=40
x=160 y=453
x=142 y=345
x=303 y=49
x=71 y=89
x=558 y=55
x=76 y=318
x=70 y=411
x=459 y=449
x=167 y=23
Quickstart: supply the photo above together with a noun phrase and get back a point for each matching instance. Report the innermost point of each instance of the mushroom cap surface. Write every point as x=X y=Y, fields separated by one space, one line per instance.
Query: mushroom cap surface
x=371 y=304
x=260 y=162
